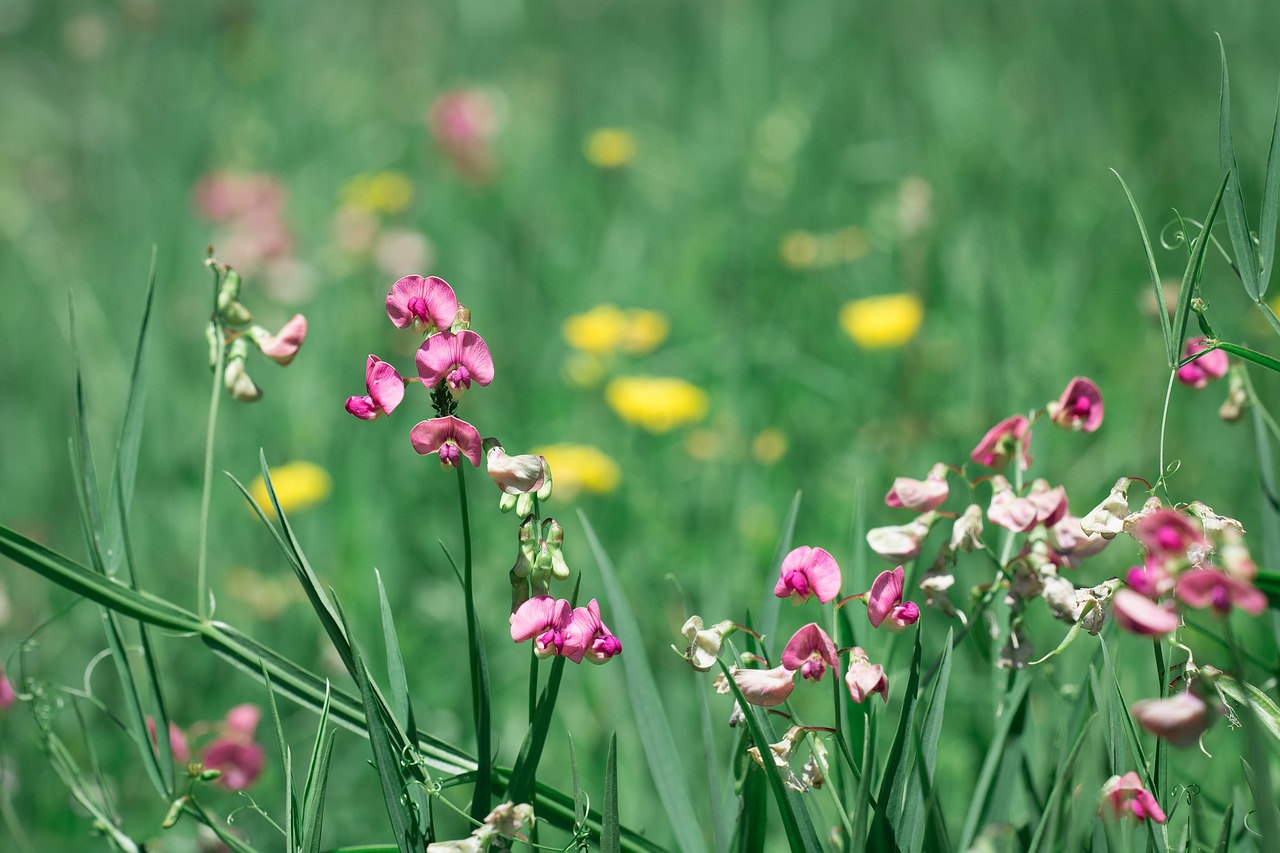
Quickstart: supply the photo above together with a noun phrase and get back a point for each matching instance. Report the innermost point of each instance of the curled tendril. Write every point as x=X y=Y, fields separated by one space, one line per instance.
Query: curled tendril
x=1179 y=233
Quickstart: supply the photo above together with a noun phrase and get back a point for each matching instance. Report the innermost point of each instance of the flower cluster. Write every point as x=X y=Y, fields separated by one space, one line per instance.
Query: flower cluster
x=229 y=345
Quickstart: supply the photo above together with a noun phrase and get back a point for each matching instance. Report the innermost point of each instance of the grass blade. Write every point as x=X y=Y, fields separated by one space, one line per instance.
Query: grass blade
x=915 y=808
x=401 y=707
x=313 y=794
x=1171 y=350
x=887 y=826
x=1059 y=788
x=1014 y=707
x=1270 y=207
x=610 y=836
x=1260 y=359
x=1195 y=268
x=286 y=758
x=1237 y=219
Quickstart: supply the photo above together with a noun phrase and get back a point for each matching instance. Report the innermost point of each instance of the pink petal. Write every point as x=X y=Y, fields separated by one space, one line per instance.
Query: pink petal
x=1140 y=615
x=917 y=495
x=1180 y=719
x=362 y=407
x=241 y=762
x=537 y=615
x=1212 y=588
x=1009 y=437
x=440 y=301
x=885 y=594
x=473 y=354
x=284 y=345
x=765 y=687
x=804 y=643
x=386 y=388
x=244 y=719
x=864 y=678
x=440 y=354
x=1079 y=407
x=429 y=436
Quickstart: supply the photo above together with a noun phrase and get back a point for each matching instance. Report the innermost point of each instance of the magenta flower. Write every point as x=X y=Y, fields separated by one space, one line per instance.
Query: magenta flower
x=7 y=694
x=884 y=602
x=1008 y=510
x=386 y=390
x=1126 y=795
x=810 y=651
x=1079 y=408
x=547 y=622
x=284 y=345
x=808 y=571
x=1170 y=535
x=1151 y=579
x=1212 y=365
x=1138 y=614
x=1179 y=719
x=453 y=438
x=920 y=495
x=428 y=302
x=234 y=751
x=864 y=678
x=1007 y=439
x=587 y=636
x=765 y=687
x=456 y=359
x=1051 y=504
x=1209 y=587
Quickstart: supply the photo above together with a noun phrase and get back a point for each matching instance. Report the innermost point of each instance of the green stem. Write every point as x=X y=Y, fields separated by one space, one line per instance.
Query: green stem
x=479 y=705
x=1164 y=419
x=206 y=495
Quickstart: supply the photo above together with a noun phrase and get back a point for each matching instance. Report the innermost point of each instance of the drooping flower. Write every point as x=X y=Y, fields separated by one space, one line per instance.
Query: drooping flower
x=234 y=752
x=428 y=302
x=1210 y=587
x=808 y=571
x=1007 y=440
x=284 y=345
x=920 y=495
x=882 y=322
x=704 y=643
x=1126 y=795
x=864 y=678
x=765 y=687
x=297 y=485
x=1107 y=518
x=588 y=637
x=457 y=359
x=546 y=621
x=1140 y=615
x=1169 y=536
x=1008 y=510
x=453 y=438
x=1080 y=406
x=656 y=403
x=885 y=605
x=1212 y=365
x=386 y=391
x=901 y=542
x=966 y=533
x=515 y=475
x=810 y=651
x=238 y=381
x=1179 y=719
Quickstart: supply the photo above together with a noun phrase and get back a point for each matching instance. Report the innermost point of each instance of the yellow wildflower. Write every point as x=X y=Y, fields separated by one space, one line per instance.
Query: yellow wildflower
x=579 y=467
x=703 y=444
x=610 y=148
x=298 y=485
x=850 y=244
x=882 y=321
x=597 y=331
x=645 y=330
x=382 y=192
x=769 y=446
x=584 y=369
x=799 y=250
x=657 y=404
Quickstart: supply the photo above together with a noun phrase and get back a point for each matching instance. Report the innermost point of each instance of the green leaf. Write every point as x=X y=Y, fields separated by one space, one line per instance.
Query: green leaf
x=1191 y=277
x=652 y=722
x=313 y=794
x=1270 y=206
x=579 y=804
x=610 y=836
x=915 y=809
x=291 y=815
x=1269 y=584
x=401 y=707
x=1119 y=708
x=1059 y=788
x=1237 y=220
x=1244 y=693
x=1247 y=354
x=1171 y=350
x=521 y=787
x=1224 y=836
x=1012 y=708
x=1268 y=814
x=767 y=622
x=888 y=824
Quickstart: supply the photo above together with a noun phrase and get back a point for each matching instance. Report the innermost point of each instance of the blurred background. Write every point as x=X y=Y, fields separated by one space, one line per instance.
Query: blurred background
x=853 y=235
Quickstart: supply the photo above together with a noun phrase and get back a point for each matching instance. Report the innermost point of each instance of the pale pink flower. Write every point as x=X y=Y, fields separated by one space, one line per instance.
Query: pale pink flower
x=453 y=438
x=1126 y=795
x=1169 y=535
x=177 y=740
x=1179 y=719
x=810 y=651
x=920 y=495
x=1212 y=365
x=428 y=302
x=765 y=687
x=884 y=602
x=7 y=694
x=1070 y=540
x=808 y=571
x=1140 y=615
x=865 y=678
x=464 y=122
x=1006 y=440
x=896 y=543
x=456 y=359
x=515 y=475
x=244 y=719
x=224 y=196
x=1209 y=587
x=386 y=391
x=1008 y=510
x=284 y=345
x=1079 y=408
x=1050 y=503
x=587 y=636
x=546 y=621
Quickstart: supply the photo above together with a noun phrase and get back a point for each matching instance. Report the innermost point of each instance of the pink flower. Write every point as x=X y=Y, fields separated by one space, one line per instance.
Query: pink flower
x=1138 y=614
x=1125 y=794
x=864 y=678
x=1209 y=587
x=1050 y=503
x=223 y=196
x=1008 y=510
x=177 y=740
x=765 y=687
x=1170 y=535
x=7 y=694
x=1179 y=719
x=546 y=621
x=884 y=602
x=456 y=359
x=901 y=542
x=920 y=495
x=464 y=123
x=808 y=571
x=453 y=438
x=234 y=751
x=1007 y=439
x=428 y=302
x=1212 y=365
x=587 y=636
x=386 y=390
x=1069 y=539
x=515 y=475
x=1151 y=579
x=284 y=345
x=1079 y=408
x=244 y=719
x=810 y=651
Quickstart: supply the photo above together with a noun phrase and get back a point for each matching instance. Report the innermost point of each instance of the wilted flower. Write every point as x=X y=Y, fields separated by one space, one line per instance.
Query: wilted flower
x=780 y=752
x=901 y=542
x=808 y=571
x=1079 y=407
x=1107 y=518
x=657 y=404
x=1069 y=539
x=284 y=345
x=1179 y=719
x=765 y=687
x=297 y=485
x=1209 y=587
x=455 y=359
x=238 y=381
x=515 y=475
x=966 y=533
x=1126 y=795
x=880 y=322
x=1050 y=503
x=1008 y=439
x=1140 y=615
x=504 y=822
x=865 y=678
x=1212 y=522
x=1212 y=365
x=429 y=303
x=704 y=643
x=920 y=495
x=385 y=387
x=810 y=651
x=451 y=437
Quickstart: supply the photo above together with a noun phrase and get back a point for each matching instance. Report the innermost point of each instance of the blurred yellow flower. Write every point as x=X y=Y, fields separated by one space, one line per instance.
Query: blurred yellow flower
x=703 y=444
x=579 y=467
x=610 y=147
x=584 y=369
x=882 y=321
x=850 y=244
x=381 y=192
x=645 y=330
x=607 y=328
x=266 y=597
x=298 y=485
x=799 y=250
x=769 y=446
x=657 y=404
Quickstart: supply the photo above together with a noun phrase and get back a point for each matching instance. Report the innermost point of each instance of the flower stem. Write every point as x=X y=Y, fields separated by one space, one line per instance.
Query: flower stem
x=211 y=431
x=479 y=690
x=1164 y=417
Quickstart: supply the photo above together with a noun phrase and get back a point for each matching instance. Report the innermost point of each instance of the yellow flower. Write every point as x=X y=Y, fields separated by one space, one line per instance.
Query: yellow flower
x=610 y=148
x=704 y=444
x=769 y=446
x=579 y=467
x=645 y=330
x=298 y=485
x=657 y=404
x=584 y=369
x=882 y=321
x=607 y=328
x=799 y=250
x=382 y=192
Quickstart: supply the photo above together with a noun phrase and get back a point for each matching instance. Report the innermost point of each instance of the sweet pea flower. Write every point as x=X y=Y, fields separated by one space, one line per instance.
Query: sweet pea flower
x=704 y=643
x=808 y=571
x=1126 y=795
x=427 y=302
x=1107 y=518
x=1140 y=615
x=884 y=602
x=780 y=752
x=588 y=637
x=546 y=621
x=1007 y=439
x=966 y=533
x=451 y=437
x=7 y=694
x=1050 y=503
x=456 y=359
x=284 y=345
x=765 y=687
x=901 y=542
x=810 y=651
x=865 y=678
x=386 y=390
x=234 y=752
x=920 y=495
x=1079 y=408
x=1151 y=579
x=1210 y=587
x=1214 y=523
x=1069 y=539
x=1212 y=365
x=1179 y=719
x=1008 y=510
x=1169 y=535
x=515 y=475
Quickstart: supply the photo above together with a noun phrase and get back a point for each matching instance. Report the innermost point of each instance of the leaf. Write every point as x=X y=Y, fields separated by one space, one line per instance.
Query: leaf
x=1244 y=693
x=1171 y=350
x=1013 y=706
x=1268 y=814
x=1247 y=354
x=888 y=823
x=767 y=622
x=1237 y=220
x=610 y=837
x=579 y=804
x=1224 y=837
x=291 y=816
x=914 y=809
x=401 y=707
x=652 y=722
x=521 y=787
x=1191 y=277
x=1060 y=787
x=313 y=794
x=1270 y=206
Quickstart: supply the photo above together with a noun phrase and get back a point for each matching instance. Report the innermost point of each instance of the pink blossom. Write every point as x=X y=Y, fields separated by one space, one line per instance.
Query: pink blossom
x=1080 y=406
x=1151 y=579
x=1008 y=510
x=234 y=751
x=386 y=391
x=7 y=694
x=453 y=438
x=1069 y=539
x=428 y=302
x=177 y=740
x=896 y=543
x=1050 y=503
x=1179 y=719
x=808 y=571
x=884 y=602
x=456 y=359
x=865 y=678
x=284 y=345
x=587 y=636
x=1210 y=587
x=464 y=123
x=1007 y=439
x=1212 y=365
x=244 y=719
x=546 y=621
x=810 y=651
x=1170 y=535
x=765 y=687
x=1126 y=795
x=515 y=475
x=1140 y=615
x=223 y=196
x=920 y=495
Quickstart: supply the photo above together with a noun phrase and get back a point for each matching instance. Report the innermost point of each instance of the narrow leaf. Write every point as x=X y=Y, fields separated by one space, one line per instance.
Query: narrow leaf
x=1270 y=206
x=1171 y=350
x=291 y=815
x=610 y=837
x=1237 y=220
x=400 y=705
x=521 y=787
x=888 y=823
x=915 y=809
x=1260 y=359
x=1012 y=708
x=313 y=794
x=1059 y=788
x=1191 y=277
x=1224 y=836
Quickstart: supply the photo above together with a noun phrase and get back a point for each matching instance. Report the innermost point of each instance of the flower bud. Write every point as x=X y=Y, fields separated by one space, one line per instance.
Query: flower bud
x=461 y=320
x=704 y=643
x=239 y=383
x=229 y=290
x=236 y=314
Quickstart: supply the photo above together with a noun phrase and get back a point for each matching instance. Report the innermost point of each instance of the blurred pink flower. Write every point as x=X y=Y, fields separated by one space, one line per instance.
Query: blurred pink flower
x=765 y=687
x=920 y=495
x=177 y=740
x=7 y=694
x=428 y=302
x=1212 y=365
x=234 y=751
x=1126 y=795
x=884 y=602
x=1209 y=587
x=808 y=571
x=1006 y=440
x=1080 y=406
x=222 y=196
x=464 y=123
x=453 y=438
x=1168 y=535
x=864 y=678
x=455 y=359
x=1179 y=719
x=1138 y=614
x=284 y=345
x=810 y=651
x=386 y=390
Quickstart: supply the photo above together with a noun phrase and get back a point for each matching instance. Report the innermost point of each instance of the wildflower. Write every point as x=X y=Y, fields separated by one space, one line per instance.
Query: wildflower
x=1152 y=578
x=780 y=752
x=427 y=302
x=504 y=822
x=1237 y=398
x=580 y=467
x=7 y=694
x=1140 y=615
x=1235 y=557
x=455 y=359
x=1050 y=504
x=966 y=533
x=901 y=542
x=769 y=446
x=1169 y=535
x=814 y=772
x=1179 y=719
x=451 y=437
x=884 y=602
x=297 y=485
x=234 y=752
x=587 y=636
x=1151 y=506
x=546 y=621
x=810 y=651
x=865 y=678
x=1079 y=408
x=1209 y=587
x=881 y=322
x=610 y=148
x=765 y=687
x=385 y=387
x=1125 y=794
x=657 y=404
x=384 y=192
x=1213 y=364
x=1008 y=439
x=515 y=475
x=704 y=643
x=1212 y=522
x=1069 y=539
x=400 y=249
x=607 y=328
x=808 y=571
x=1107 y=518
x=284 y=345
x=464 y=123
x=1008 y=510
x=920 y=495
